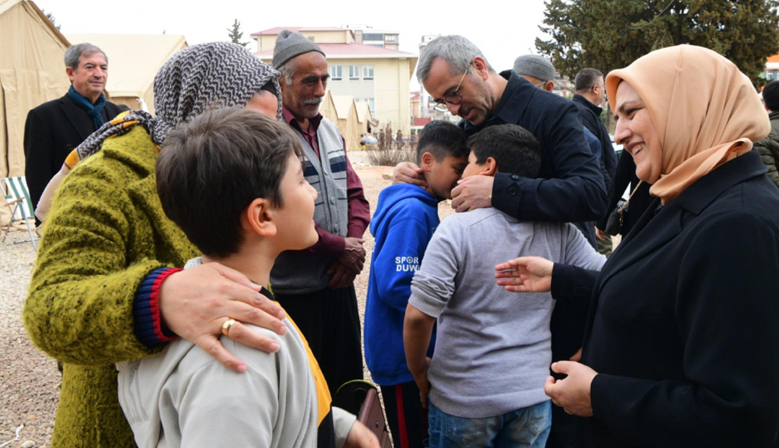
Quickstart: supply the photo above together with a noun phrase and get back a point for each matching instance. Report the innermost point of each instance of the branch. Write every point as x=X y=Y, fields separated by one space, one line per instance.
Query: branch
x=633 y=28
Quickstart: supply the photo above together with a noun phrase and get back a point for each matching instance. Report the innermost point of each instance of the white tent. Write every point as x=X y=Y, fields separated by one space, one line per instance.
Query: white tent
x=32 y=71
x=133 y=62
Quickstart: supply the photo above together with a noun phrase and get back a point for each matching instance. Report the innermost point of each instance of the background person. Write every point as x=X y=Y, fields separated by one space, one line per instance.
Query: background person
x=768 y=148
x=685 y=311
x=316 y=286
x=56 y=128
x=107 y=286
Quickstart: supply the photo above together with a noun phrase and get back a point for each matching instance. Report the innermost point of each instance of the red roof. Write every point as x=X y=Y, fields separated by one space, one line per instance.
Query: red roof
x=774 y=58
x=422 y=121
x=279 y=29
x=349 y=50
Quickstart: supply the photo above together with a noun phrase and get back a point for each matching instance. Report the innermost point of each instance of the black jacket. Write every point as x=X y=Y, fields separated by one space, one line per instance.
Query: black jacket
x=683 y=320
x=51 y=132
x=570 y=187
x=589 y=114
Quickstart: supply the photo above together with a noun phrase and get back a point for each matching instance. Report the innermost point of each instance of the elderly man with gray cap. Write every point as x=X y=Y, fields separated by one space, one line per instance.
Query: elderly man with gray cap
x=316 y=286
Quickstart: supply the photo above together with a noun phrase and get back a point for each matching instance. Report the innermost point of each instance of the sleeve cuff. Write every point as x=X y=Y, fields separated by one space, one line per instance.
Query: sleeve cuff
x=562 y=287
x=148 y=325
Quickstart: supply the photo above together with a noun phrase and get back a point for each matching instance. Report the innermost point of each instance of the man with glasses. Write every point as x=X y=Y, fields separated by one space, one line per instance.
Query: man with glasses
x=570 y=187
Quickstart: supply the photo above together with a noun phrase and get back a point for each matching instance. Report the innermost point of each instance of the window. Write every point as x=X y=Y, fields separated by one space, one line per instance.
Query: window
x=372 y=36
x=367 y=71
x=371 y=105
x=354 y=72
x=336 y=73
x=391 y=38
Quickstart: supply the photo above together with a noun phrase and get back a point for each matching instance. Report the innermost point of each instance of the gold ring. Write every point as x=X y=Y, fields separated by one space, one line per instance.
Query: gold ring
x=227 y=325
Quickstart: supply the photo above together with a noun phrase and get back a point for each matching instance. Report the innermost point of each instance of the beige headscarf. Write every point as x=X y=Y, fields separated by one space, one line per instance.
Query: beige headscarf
x=705 y=110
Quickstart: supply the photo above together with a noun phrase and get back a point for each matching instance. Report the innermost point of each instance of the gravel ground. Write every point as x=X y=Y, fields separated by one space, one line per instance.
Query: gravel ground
x=30 y=381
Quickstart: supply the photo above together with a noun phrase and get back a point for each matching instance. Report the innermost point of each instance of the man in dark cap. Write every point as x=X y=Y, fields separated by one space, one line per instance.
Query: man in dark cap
x=316 y=286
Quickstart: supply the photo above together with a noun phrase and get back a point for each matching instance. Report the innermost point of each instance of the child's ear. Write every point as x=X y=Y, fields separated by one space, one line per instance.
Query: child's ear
x=260 y=218
x=427 y=161
x=490 y=167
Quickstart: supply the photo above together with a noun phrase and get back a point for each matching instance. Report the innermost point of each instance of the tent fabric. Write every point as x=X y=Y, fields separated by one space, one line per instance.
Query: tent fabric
x=32 y=71
x=133 y=62
x=348 y=124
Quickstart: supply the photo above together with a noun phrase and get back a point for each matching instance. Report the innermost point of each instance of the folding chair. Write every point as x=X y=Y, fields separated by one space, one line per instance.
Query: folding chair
x=14 y=190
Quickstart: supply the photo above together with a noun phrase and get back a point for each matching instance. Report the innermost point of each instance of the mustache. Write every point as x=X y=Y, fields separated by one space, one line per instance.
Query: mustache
x=313 y=101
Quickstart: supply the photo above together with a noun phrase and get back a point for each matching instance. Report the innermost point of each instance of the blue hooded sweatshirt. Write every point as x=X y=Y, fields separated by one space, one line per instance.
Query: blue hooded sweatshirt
x=405 y=219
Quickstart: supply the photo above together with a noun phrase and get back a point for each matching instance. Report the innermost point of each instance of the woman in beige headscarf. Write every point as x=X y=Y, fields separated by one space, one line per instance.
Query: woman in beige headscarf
x=682 y=338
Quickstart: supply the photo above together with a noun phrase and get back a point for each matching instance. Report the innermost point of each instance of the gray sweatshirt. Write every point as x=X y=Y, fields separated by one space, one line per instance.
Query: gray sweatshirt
x=183 y=397
x=493 y=347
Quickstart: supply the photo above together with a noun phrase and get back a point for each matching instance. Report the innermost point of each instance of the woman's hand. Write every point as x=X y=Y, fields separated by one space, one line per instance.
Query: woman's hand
x=196 y=302
x=361 y=437
x=525 y=274
x=408 y=173
x=572 y=393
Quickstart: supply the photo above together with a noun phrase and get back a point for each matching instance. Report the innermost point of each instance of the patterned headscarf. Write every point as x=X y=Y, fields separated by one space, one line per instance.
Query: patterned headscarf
x=216 y=74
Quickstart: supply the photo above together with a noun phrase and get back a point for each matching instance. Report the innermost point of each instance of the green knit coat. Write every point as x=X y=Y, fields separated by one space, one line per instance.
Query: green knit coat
x=105 y=232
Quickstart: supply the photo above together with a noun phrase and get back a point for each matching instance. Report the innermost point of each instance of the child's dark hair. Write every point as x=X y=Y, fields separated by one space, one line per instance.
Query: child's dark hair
x=771 y=96
x=441 y=139
x=211 y=168
x=513 y=147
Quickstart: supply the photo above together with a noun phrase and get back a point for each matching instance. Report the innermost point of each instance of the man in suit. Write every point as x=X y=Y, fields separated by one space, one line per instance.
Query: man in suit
x=55 y=128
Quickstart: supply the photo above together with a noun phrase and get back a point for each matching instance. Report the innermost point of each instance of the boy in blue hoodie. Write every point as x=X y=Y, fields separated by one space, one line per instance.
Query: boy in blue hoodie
x=406 y=217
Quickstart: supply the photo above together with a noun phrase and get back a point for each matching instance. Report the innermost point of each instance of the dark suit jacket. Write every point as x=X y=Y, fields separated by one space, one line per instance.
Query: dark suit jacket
x=684 y=321
x=51 y=132
x=589 y=114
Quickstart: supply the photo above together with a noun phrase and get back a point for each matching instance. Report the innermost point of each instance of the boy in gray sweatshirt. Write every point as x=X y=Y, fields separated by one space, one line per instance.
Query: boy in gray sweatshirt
x=233 y=182
x=485 y=384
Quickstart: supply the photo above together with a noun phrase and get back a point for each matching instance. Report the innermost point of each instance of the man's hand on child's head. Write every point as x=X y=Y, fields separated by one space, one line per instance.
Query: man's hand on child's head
x=196 y=302
x=472 y=193
x=408 y=173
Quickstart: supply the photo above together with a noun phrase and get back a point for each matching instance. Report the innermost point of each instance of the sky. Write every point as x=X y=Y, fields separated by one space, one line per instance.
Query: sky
x=502 y=30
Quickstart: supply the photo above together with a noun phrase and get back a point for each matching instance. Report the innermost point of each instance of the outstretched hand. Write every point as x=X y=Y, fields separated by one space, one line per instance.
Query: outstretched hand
x=525 y=274
x=196 y=302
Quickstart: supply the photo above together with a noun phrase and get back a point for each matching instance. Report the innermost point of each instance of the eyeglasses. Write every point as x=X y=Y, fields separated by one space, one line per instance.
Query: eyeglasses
x=452 y=98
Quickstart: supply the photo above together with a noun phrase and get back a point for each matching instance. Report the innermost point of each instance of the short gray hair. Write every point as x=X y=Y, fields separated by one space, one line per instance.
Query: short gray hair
x=288 y=70
x=457 y=51
x=74 y=53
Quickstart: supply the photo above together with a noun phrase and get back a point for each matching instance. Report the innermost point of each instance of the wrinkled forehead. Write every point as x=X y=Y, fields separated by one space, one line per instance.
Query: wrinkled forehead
x=440 y=78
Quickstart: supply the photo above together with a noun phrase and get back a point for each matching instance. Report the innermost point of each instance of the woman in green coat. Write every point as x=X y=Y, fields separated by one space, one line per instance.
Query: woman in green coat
x=107 y=285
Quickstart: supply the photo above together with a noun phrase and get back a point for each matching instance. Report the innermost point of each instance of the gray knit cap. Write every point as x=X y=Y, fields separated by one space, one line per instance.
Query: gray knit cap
x=536 y=66
x=289 y=45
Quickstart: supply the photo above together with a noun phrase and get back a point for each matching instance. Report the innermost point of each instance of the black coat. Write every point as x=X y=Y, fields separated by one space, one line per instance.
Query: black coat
x=589 y=114
x=683 y=327
x=51 y=132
